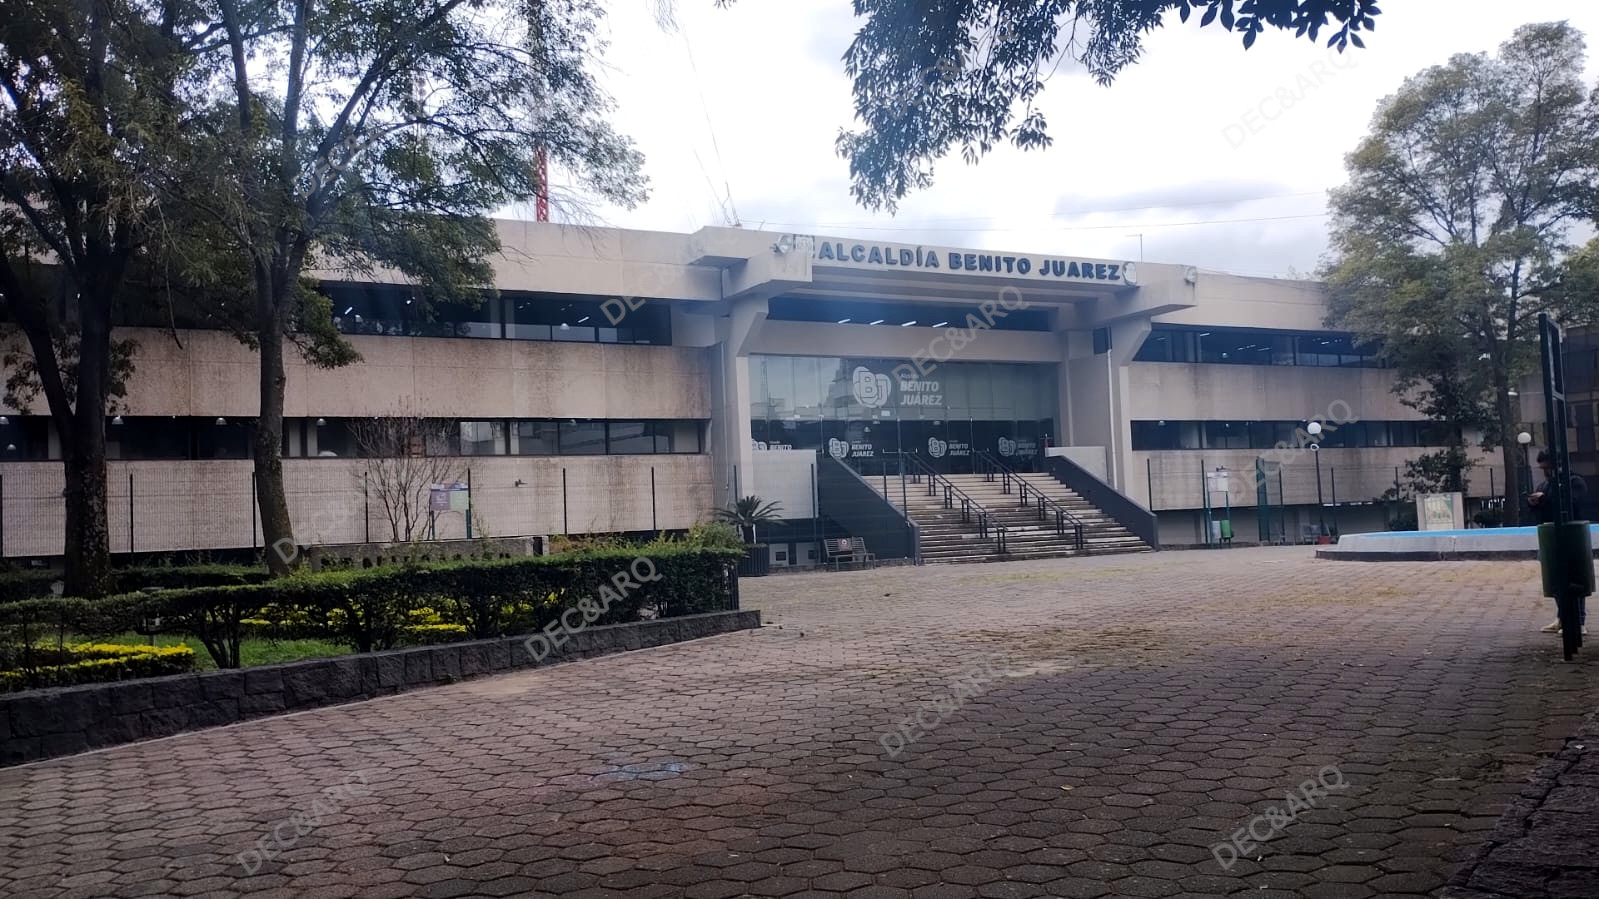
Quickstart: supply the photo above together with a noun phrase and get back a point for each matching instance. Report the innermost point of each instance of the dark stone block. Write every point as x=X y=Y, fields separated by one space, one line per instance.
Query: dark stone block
x=116 y=730
x=263 y=680
x=391 y=671
x=130 y=698
x=654 y=633
x=344 y=678
x=446 y=664
x=255 y=705
x=474 y=659
x=214 y=713
x=498 y=655
x=308 y=685
x=418 y=667
x=63 y=710
x=222 y=685
x=20 y=749
x=176 y=692
x=62 y=744
x=368 y=668
x=164 y=721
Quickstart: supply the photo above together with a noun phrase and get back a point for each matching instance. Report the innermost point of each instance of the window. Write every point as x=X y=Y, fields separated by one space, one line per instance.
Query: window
x=150 y=438
x=1226 y=435
x=582 y=438
x=583 y=320
x=482 y=438
x=1265 y=435
x=534 y=438
x=631 y=437
x=1235 y=347
x=1250 y=346
x=25 y=438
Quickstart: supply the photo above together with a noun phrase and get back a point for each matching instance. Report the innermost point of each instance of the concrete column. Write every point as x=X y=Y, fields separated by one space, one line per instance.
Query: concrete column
x=729 y=366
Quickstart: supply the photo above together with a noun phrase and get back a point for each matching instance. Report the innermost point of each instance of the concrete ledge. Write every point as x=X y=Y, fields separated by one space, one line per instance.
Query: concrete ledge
x=1543 y=845
x=42 y=724
x=1465 y=556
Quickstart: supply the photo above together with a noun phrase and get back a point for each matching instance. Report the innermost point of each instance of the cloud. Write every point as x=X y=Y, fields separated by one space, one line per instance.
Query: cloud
x=1214 y=195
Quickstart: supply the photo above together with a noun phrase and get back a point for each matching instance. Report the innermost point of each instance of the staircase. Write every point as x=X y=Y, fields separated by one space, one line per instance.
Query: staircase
x=945 y=537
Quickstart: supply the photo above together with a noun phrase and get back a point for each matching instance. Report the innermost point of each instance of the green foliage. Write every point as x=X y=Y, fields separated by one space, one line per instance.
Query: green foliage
x=380 y=608
x=1455 y=227
x=714 y=535
x=87 y=663
x=966 y=74
x=32 y=583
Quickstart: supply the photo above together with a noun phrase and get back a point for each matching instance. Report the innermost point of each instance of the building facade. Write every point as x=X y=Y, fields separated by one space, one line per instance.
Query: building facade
x=622 y=381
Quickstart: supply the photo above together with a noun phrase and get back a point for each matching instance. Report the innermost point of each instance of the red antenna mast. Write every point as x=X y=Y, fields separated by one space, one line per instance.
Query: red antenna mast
x=541 y=199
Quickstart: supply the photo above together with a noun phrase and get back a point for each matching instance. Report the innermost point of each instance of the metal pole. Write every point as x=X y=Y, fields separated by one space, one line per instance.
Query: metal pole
x=1334 y=473
x=253 y=501
x=2 y=516
x=366 y=506
x=1282 y=502
x=655 y=524
x=566 y=526
x=903 y=502
x=1149 y=481
x=816 y=515
x=130 y=514
x=469 y=503
x=1321 y=508
x=1204 y=497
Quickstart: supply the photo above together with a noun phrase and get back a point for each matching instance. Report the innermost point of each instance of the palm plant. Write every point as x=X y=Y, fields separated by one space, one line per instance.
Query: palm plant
x=748 y=511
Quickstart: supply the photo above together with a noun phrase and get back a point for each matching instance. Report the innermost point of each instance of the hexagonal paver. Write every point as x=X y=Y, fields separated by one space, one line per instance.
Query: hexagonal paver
x=1137 y=712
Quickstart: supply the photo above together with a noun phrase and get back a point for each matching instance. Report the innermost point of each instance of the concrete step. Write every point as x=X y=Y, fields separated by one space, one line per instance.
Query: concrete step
x=945 y=538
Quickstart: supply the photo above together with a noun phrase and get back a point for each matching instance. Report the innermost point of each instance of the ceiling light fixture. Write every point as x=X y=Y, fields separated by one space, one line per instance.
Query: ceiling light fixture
x=843 y=321
x=878 y=322
x=941 y=324
x=909 y=323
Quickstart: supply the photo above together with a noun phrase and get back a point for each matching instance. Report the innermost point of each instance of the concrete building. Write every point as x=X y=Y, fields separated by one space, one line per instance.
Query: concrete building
x=632 y=381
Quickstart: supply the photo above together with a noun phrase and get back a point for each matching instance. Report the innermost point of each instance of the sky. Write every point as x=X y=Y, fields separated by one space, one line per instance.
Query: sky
x=1202 y=154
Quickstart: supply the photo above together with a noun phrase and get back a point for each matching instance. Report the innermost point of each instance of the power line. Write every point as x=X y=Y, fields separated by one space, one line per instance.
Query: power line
x=1275 y=218
x=1081 y=212
x=727 y=206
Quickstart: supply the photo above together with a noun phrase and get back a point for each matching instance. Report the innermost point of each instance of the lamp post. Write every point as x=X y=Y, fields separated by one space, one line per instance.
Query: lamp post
x=1314 y=429
x=1525 y=439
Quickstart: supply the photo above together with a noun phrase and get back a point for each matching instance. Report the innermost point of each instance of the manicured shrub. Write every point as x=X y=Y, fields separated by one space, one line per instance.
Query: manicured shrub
x=34 y=584
x=83 y=663
x=372 y=609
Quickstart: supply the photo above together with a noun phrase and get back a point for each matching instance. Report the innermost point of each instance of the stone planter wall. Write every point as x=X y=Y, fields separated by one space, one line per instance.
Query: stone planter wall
x=41 y=724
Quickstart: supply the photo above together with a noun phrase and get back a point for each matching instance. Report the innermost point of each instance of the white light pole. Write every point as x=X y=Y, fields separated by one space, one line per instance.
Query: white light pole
x=1314 y=429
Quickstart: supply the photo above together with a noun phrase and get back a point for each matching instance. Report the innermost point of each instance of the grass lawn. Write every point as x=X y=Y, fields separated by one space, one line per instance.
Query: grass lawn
x=251 y=652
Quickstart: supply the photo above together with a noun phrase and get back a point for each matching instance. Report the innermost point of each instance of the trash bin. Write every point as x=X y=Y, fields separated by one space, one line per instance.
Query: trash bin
x=1565 y=555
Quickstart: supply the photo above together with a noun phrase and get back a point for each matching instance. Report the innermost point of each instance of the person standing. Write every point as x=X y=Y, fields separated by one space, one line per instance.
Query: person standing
x=1542 y=501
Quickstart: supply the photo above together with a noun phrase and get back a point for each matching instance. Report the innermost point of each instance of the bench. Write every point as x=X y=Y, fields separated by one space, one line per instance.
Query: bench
x=843 y=551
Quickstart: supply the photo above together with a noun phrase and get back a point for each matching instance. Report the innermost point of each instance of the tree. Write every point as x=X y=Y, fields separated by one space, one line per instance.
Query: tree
x=747 y=512
x=403 y=456
x=933 y=76
x=379 y=139
x=1453 y=231
x=91 y=100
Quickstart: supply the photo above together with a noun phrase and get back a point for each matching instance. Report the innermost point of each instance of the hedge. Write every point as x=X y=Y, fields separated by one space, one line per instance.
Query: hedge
x=36 y=583
x=371 y=609
x=96 y=663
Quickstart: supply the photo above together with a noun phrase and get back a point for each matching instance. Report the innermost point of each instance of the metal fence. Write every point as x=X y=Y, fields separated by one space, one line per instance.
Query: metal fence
x=158 y=507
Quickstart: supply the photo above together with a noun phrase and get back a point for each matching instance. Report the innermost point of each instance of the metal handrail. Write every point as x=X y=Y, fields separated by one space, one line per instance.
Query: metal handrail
x=969 y=508
x=1030 y=494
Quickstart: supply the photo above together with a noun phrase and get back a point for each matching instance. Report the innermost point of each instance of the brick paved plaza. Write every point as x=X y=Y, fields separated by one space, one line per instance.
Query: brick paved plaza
x=1150 y=706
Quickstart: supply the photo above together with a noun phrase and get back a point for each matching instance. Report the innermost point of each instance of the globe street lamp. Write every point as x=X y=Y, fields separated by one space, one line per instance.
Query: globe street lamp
x=1525 y=439
x=1314 y=429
